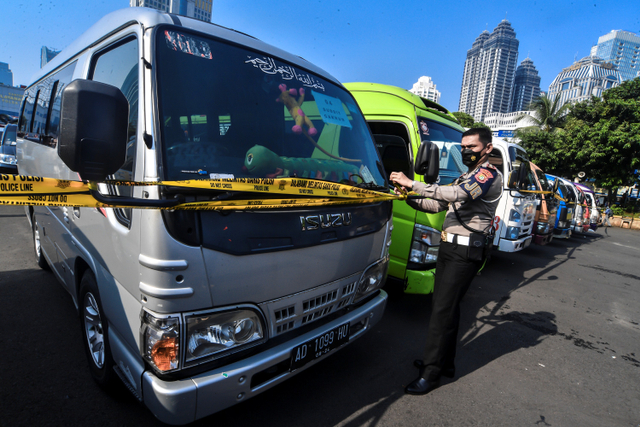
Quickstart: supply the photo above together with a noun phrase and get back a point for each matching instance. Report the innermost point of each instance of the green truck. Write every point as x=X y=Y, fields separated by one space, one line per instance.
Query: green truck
x=400 y=121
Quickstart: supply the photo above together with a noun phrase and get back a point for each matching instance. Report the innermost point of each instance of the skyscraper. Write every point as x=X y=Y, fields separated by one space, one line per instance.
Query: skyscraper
x=586 y=78
x=489 y=71
x=46 y=55
x=6 y=75
x=526 y=86
x=426 y=88
x=199 y=9
x=621 y=48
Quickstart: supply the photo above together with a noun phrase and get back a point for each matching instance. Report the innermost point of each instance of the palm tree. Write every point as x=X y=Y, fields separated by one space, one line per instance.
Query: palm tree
x=547 y=114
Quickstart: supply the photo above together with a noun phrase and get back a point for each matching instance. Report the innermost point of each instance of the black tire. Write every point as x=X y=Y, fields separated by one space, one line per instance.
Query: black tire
x=37 y=247
x=95 y=333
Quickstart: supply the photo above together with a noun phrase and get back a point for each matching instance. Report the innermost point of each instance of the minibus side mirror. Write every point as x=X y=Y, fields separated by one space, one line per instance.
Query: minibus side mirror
x=556 y=184
x=94 y=121
x=428 y=161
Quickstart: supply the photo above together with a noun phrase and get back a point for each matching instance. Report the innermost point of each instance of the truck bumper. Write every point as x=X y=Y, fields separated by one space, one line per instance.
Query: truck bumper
x=420 y=282
x=186 y=400
x=542 y=239
x=561 y=233
x=514 y=245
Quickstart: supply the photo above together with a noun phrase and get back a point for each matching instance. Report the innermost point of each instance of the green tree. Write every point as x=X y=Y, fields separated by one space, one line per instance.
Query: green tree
x=465 y=120
x=547 y=115
x=546 y=150
x=602 y=135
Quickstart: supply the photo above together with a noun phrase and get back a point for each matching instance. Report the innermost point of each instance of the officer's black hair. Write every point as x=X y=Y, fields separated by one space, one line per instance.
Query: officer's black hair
x=484 y=135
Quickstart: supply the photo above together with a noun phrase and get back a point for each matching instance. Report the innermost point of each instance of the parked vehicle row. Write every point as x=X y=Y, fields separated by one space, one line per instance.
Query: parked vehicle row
x=195 y=311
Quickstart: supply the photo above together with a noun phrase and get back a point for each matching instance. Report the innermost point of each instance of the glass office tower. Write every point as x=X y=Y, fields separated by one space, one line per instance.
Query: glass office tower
x=199 y=9
x=526 y=86
x=489 y=72
x=621 y=48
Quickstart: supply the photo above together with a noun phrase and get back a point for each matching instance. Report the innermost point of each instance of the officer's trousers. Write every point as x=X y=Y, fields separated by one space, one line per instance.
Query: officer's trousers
x=454 y=273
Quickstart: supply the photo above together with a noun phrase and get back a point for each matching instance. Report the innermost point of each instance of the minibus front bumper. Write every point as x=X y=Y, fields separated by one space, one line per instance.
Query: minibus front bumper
x=514 y=245
x=186 y=400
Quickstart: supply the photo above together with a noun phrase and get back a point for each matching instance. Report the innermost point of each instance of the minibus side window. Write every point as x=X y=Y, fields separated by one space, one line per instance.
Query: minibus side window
x=61 y=79
x=117 y=66
x=27 y=111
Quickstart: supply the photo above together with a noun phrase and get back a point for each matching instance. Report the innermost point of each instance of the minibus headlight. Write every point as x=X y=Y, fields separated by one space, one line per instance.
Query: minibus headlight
x=160 y=341
x=372 y=279
x=513 y=233
x=514 y=216
x=8 y=159
x=424 y=245
x=213 y=335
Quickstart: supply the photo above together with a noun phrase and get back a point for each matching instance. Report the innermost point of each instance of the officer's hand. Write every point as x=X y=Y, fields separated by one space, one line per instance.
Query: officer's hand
x=401 y=179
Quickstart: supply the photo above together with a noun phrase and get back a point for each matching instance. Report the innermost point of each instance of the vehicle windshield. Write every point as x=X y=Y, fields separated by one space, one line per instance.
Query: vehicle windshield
x=227 y=112
x=448 y=141
x=545 y=185
x=518 y=158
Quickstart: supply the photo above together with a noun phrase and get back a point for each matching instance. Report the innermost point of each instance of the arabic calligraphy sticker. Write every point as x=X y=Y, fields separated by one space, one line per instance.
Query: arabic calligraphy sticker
x=331 y=110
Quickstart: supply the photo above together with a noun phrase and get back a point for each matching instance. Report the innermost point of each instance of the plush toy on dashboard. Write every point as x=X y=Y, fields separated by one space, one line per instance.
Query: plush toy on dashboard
x=294 y=107
x=262 y=162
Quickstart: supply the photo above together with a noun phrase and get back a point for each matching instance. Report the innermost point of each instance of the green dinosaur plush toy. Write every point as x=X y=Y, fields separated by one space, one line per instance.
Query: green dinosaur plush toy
x=260 y=161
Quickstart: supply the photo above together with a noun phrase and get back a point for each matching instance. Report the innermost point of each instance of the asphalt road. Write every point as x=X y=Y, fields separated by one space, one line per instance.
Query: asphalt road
x=550 y=337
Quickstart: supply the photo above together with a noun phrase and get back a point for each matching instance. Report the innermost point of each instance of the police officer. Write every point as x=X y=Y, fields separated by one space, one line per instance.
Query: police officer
x=475 y=196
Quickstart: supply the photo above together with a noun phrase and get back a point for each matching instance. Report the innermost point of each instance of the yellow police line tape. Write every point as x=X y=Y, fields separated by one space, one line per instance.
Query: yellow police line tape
x=37 y=191
x=545 y=192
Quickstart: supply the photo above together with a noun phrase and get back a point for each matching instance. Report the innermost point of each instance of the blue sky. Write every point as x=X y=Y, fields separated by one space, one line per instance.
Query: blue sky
x=391 y=42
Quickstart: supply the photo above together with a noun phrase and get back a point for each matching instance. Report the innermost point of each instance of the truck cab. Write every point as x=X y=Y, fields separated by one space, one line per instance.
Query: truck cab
x=516 y=211
x=400 y=121
x=268 y=272
x=546 y=209
x=566 y=208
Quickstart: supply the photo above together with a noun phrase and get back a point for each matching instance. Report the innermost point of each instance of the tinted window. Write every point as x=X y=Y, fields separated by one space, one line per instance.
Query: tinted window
x=118 y=66
x=226 y=111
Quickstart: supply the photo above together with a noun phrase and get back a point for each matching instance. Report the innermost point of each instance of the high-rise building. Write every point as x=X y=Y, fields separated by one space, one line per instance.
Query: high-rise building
x=426 y=88
x=621 y=48
x=526 y=86
x=6 y=75
x=489 y=71
x=587 y=77
x=46 y=55
x=199 y=9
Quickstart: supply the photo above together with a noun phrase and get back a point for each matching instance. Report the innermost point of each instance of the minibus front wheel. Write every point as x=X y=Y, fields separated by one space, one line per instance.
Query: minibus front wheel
x=95 y=332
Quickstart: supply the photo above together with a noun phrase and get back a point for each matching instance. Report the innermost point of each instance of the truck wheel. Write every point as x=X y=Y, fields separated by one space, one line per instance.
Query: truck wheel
x=95 y=333
x=40 y=259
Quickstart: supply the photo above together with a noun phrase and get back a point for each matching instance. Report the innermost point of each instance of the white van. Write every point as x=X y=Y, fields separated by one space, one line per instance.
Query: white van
x=516 y=210
x=196 y=311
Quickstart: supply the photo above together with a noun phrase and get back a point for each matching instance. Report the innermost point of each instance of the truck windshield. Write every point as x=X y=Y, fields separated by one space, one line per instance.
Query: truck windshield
x=228 y=112
x=448 y=141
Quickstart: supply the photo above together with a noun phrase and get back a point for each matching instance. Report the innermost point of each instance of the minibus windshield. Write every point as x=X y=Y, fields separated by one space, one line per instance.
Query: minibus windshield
x=227 y=112
x=448 y=142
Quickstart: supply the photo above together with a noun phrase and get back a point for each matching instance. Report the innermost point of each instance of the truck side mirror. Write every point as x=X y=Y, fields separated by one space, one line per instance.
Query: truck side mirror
x=395 y=154
x=428 y=161
x=517 y=177
x=94 y=121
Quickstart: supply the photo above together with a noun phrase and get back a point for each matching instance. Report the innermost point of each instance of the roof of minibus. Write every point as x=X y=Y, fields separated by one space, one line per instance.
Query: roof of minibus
x=148 y=18
x=396 y=100
x=584 y=188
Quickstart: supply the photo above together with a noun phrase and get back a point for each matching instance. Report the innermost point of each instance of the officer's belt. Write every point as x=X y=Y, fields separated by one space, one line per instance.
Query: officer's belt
x=455 y=238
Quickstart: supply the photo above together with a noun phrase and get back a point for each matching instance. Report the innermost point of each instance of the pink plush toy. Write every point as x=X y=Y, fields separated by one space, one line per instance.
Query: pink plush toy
x=287 y=97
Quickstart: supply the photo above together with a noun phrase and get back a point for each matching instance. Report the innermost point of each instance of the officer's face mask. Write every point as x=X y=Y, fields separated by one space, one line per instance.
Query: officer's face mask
x=470 y=157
